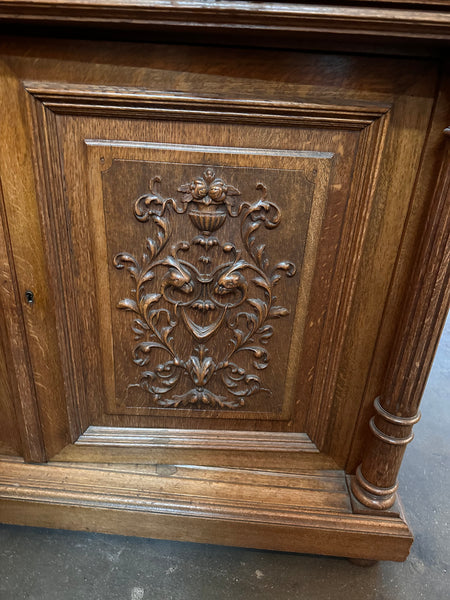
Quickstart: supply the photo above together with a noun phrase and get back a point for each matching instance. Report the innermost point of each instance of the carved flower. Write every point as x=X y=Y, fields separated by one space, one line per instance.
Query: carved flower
x=198 y=189
x=207 y=189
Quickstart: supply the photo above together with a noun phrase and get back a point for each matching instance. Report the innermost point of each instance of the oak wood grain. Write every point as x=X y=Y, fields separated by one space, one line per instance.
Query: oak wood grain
x=63 y=111
x=425 y=311
x=158 y=502
x=344 y=147
x=424 y=186
x=180 y=438
x=10 y=438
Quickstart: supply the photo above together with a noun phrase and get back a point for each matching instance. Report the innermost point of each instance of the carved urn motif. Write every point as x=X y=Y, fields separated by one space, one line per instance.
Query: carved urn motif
x=210 y=198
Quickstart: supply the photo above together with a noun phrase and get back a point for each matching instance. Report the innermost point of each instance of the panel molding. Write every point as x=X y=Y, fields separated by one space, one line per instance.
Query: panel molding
x=368 y=160
x=113 y=101
x=50 y=187
x=231 y=493
x=251 y=441
x=49 y=99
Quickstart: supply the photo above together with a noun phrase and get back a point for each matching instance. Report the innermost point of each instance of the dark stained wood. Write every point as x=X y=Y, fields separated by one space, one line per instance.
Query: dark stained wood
x=226 y=17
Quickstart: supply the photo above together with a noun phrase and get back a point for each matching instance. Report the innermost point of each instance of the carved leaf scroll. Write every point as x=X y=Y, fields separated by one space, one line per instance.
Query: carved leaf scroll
x=209 y=288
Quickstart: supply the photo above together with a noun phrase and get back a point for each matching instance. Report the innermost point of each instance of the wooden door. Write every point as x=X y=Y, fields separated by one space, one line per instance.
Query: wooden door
x=219 y=229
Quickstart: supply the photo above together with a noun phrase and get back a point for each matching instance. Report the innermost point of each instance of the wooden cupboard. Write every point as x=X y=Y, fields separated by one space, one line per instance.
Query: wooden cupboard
x=224 y=269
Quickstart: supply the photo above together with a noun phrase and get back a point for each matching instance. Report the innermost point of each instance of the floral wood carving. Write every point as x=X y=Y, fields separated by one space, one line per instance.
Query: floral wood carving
x=209 y=287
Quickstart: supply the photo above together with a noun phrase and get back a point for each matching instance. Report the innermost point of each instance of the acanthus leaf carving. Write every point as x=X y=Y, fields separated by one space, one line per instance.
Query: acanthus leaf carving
x=232 y=295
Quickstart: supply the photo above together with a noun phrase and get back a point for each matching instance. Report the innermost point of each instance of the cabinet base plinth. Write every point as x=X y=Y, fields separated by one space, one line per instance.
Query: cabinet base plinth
x=307 y=512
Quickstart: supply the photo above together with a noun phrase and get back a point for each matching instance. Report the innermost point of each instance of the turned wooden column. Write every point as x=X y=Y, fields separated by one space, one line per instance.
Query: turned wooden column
x=425 y=309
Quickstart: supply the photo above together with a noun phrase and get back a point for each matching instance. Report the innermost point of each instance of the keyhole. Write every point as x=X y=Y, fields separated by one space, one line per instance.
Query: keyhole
x=29 y=297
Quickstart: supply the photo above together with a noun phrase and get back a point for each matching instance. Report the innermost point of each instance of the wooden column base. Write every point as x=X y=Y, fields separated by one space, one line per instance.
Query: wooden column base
x=370 y=495
x=308 y=512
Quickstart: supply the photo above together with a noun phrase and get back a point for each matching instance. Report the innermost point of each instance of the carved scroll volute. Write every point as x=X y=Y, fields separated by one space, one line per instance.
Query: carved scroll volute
x=375 y=482
x=207 y=286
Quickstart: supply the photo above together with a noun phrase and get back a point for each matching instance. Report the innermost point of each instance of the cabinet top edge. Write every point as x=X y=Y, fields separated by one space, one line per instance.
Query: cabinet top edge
x=399 y=21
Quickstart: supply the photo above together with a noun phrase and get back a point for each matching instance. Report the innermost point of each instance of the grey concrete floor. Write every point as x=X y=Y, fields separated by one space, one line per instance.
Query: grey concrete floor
x=43 y=564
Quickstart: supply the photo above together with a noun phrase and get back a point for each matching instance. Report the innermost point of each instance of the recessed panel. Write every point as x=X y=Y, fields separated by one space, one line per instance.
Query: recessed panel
x=203 y=262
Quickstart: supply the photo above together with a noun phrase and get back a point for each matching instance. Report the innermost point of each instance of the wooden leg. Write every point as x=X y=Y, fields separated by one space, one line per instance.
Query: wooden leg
x=363 y=562
x=423 y=317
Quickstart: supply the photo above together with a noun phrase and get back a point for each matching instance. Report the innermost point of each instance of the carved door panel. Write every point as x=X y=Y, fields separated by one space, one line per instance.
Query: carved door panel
x=208 y=251
x=208 y=288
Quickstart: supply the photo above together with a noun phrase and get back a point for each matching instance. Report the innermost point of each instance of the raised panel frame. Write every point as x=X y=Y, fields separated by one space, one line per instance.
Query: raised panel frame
x=47 y=100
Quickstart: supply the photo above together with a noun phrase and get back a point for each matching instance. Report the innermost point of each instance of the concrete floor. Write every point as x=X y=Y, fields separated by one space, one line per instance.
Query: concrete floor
x=42 y=564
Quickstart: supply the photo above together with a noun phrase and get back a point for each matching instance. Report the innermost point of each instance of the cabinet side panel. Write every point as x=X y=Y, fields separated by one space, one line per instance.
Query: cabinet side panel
x=9 y=433
x=19 y=425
